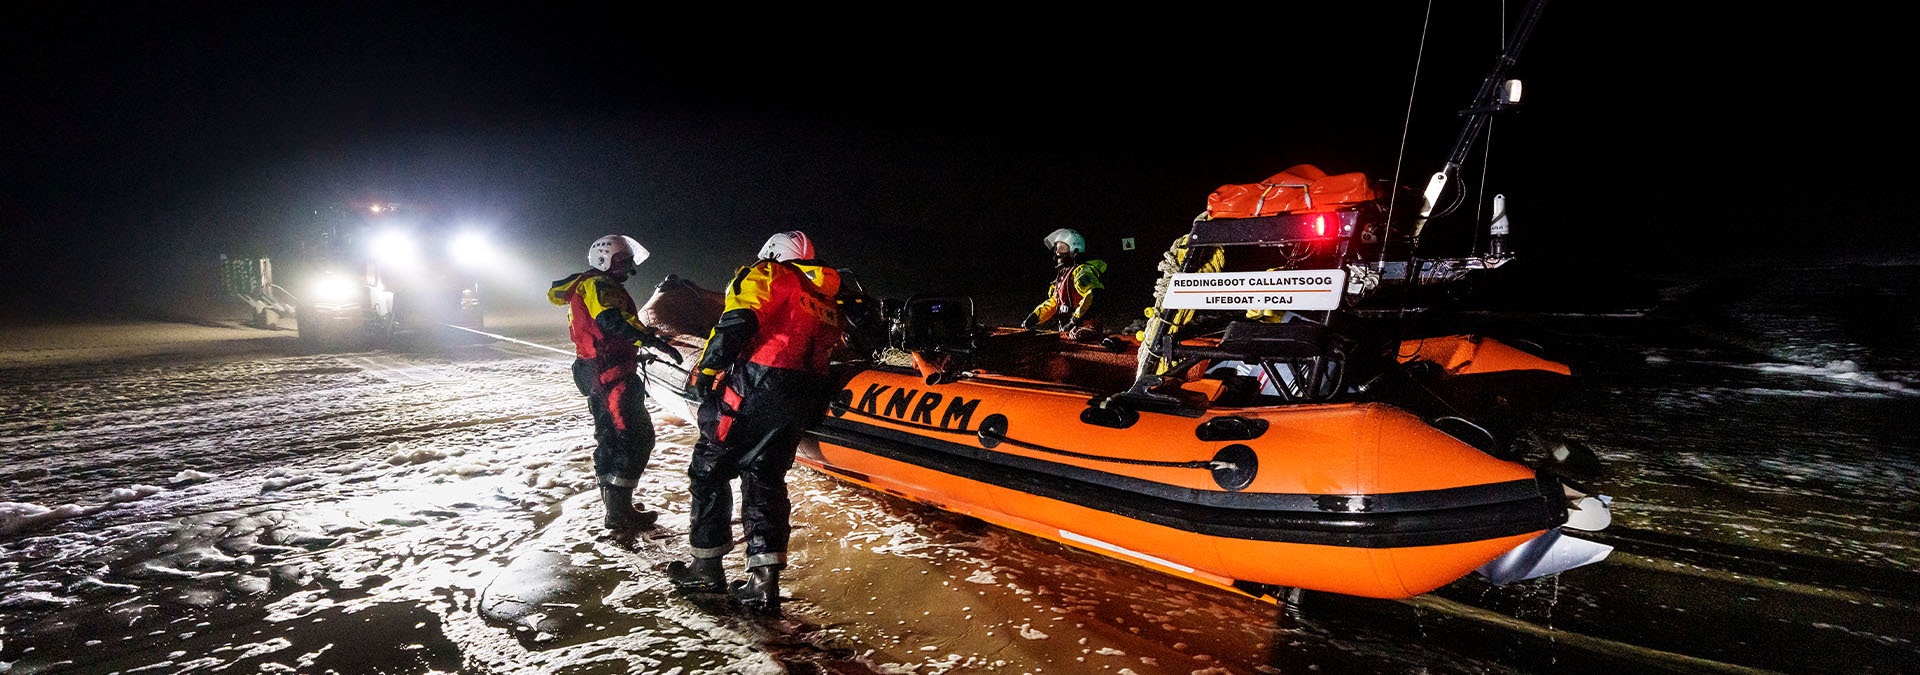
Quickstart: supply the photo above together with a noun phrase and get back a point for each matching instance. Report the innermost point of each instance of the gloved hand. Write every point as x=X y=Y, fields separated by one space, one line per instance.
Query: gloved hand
x=659 y=344
x=1031 y=321
x=704 y=382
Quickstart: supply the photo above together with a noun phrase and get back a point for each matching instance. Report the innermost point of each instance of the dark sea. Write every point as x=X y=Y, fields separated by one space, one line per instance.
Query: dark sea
x=248 y=508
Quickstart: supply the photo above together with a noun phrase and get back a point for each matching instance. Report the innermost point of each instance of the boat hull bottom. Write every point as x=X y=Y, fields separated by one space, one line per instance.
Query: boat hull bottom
x=1257 y=568
x=1548 y=554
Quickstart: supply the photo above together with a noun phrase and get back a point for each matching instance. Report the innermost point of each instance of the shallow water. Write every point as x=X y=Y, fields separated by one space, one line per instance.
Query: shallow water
x=432 y=511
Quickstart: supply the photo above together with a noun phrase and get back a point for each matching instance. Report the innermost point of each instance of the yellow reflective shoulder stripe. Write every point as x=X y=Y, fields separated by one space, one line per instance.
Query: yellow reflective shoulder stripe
x=596 y=295
x=752 y=287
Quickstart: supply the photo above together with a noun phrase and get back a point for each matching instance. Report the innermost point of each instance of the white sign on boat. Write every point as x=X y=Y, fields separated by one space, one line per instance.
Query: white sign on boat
x=1301 y=290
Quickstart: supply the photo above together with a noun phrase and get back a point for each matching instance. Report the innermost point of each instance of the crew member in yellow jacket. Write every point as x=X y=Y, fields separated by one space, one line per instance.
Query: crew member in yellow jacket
x=1070 y=305
x=764 y=380
x=607 y=336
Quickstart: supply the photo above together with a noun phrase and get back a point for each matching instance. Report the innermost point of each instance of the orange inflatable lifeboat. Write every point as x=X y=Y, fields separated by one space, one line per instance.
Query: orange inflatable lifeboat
x=1295 y=442
x=1359 y=497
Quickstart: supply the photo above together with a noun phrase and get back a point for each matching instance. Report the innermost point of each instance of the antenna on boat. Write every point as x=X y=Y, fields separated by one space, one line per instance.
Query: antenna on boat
x=1496 y=94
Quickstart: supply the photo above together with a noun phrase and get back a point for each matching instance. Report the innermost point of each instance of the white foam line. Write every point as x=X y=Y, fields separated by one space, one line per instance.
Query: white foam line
x=1116 y=549
x=518 y=342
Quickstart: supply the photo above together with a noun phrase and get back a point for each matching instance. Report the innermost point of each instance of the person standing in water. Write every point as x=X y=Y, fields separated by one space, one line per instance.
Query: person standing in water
x=763 y=380
x=607 y=337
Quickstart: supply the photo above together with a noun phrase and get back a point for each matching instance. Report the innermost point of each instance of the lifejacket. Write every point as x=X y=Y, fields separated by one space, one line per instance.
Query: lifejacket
x=609 y=350
x=1071 y=291
x=779 y=315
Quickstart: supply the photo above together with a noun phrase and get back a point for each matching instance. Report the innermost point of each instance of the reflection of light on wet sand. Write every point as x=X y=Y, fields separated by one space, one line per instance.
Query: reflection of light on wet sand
x=934 y=593
x=406 y=485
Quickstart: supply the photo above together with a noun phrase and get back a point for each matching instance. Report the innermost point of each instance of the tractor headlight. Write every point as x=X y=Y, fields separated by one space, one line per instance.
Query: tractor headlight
x=472 y=250
x=394 y=248
x=332 y=288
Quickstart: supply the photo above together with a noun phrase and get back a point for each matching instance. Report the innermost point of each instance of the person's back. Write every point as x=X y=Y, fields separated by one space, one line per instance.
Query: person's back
x=800 y=322
x=763 y=379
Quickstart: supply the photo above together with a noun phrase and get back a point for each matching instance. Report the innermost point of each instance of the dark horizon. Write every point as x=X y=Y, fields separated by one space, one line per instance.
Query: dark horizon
x=155 y=139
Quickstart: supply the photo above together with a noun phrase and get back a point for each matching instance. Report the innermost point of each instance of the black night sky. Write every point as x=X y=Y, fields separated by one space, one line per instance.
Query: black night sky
x=929 y=147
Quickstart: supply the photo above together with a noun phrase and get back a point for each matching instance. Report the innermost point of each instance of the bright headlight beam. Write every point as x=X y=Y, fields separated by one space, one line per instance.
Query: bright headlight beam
x=332 y=288
x=472 y=249
x=394 y=247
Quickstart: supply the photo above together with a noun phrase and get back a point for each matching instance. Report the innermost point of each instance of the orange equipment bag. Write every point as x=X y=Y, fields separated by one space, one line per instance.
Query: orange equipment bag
x=1303 y=188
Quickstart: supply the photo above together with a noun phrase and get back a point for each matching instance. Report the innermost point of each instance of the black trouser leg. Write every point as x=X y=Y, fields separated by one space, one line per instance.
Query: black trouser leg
x=765 y=507
x=622 y=432
x=623 y=442
x=709 y=531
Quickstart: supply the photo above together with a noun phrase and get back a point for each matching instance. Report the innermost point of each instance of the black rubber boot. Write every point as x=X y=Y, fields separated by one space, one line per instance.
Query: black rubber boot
x=703 y=575
x=622 y=515
x=760 y=591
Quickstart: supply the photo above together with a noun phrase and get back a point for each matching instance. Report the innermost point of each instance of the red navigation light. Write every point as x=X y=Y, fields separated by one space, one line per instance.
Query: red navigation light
x=1320 y=225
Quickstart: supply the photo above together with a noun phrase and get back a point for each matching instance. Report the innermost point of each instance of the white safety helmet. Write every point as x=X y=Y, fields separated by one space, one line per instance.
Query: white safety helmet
x=787 y=246
x=616 y=254
x=1075 y=242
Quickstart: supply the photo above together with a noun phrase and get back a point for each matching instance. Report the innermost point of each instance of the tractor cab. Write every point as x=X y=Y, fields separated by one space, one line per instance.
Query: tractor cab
x=359 y=275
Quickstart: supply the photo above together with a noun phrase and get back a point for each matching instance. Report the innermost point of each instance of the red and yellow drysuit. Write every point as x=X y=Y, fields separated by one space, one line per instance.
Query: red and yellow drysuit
x=606 y=330
x=765 y=378
x=1070 y=298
